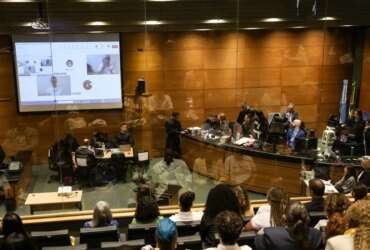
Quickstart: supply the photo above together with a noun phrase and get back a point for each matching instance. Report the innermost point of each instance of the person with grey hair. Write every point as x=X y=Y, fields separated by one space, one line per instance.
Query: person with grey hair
x=102 y=216
x=294 y=133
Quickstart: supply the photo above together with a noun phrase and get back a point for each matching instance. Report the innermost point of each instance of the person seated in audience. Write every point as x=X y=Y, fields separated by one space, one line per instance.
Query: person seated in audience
x=186 y=202
x=102 y=216
x=271 y=214
x=169 y=171
x=336 y=205
x=165 y=235
x=357 y=234
x=147 y=211
x=12 y=223
x=17 y=241
x=359 y=192
x=220 y=198
x=348 y=181
x=294 y=132
x=243 y=198
x=229 y=225
x=297 y=235
x=364 y=175
x=125 y=137
x=317 y=189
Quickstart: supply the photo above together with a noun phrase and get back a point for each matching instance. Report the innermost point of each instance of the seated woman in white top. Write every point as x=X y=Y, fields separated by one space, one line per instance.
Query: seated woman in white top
x=186 y=202
x=270 y=215
x=357 y=235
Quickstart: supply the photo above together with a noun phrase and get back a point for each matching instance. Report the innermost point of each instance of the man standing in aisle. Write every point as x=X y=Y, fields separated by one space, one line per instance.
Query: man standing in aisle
x=173 y=130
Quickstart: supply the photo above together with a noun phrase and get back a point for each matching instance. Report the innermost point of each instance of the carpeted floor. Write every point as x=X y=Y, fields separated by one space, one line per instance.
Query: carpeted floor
x=118 y=195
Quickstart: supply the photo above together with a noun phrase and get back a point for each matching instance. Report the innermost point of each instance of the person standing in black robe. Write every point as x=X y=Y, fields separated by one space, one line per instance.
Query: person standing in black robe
x=173 y=130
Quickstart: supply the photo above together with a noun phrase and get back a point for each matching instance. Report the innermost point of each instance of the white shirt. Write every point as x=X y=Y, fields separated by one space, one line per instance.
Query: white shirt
x=262 y=218
x=233 y=247
x=340 y=242
x=187 y=216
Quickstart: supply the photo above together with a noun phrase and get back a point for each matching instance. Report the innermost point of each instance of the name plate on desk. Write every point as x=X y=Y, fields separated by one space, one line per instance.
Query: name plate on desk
x=64 y=190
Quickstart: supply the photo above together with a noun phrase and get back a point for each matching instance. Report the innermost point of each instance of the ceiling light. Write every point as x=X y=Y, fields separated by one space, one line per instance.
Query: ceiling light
x=162 y=0
x=26 y=24
x=96 y=31
x=272 y=20
x=95 y=1
x=215 y=21
x=298 y=27
x=97 y=23
x=347 y=25
x=17 y=1
x=327 y=18
x=40 y=24
x=252 y=28
x=152 y=22
x=203 y=29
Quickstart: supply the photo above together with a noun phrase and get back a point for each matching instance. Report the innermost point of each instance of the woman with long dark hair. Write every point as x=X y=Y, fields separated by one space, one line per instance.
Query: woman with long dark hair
x=220 y=198
x=296 y=235
x=348 y=181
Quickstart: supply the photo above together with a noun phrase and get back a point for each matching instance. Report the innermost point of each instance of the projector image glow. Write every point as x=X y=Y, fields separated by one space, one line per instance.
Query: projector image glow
x=39 y=24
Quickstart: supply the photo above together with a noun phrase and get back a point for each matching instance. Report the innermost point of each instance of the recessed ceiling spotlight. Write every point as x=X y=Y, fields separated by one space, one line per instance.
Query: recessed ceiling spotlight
x=162 y=0
x=203 y=29
x=328 y=18
x=347 y=25
x=18 y=1
x=26 y=24
x=272 y=20
x=96 y=31
x=95 y=1
x=152 y=22
x=97 y=23
x=298 y=27
x=253 y=28
x=215 y=21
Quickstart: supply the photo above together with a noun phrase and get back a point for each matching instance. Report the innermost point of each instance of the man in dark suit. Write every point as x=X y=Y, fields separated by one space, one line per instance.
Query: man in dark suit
x=173 y=130
x=290 y=115
x=317 y=189
x=364 y=176
x=125 y=137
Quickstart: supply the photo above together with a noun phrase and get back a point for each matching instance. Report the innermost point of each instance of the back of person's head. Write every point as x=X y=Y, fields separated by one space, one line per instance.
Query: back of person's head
x=102 y=215
x=229 y=226
x=243 y=198
x=12 y=223
x=220 y=198
x=298 y=220
x=278 y=200
x=336 y=203
x=317 y=187
x=186 y=201
x=358 y=216
x=166 y=234
x=17 y=241
x=336 y=225
x=359 y=192
x=144 y=190
x=146 y=210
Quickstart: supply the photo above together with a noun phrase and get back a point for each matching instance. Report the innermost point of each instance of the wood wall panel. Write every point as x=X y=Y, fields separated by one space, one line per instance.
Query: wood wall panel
x=365 y=83
x=202 y=73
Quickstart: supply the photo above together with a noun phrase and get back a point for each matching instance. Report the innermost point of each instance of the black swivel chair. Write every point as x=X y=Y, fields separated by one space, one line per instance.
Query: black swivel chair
x=93 y=237
x=85 y=163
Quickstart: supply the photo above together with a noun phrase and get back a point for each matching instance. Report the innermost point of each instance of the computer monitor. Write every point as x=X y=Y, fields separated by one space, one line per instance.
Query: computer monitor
x=93 y=237
x=51 y=238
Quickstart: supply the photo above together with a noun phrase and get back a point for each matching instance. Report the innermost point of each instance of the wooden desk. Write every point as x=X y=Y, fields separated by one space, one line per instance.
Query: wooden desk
x=108 y=153
x=51 y=200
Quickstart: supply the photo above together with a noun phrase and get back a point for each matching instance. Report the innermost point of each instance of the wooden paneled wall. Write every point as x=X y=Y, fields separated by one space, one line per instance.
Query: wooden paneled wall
x=199 y=73
x=365 y=83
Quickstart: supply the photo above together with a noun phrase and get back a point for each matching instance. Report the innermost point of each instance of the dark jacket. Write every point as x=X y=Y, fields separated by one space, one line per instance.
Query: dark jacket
x=278 y=238
x=365 y=178
x=316 y=205
x=207 y=231
x=125 y=139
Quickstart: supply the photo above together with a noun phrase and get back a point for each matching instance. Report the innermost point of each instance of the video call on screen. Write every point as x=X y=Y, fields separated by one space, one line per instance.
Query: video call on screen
x=68 y=73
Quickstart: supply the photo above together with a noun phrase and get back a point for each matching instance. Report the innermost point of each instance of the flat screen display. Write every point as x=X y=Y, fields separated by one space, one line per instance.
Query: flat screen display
x=68 y=72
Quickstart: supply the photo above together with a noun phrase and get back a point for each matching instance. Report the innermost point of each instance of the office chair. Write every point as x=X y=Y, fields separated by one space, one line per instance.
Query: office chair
x=85 y=162
x=51 y=238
